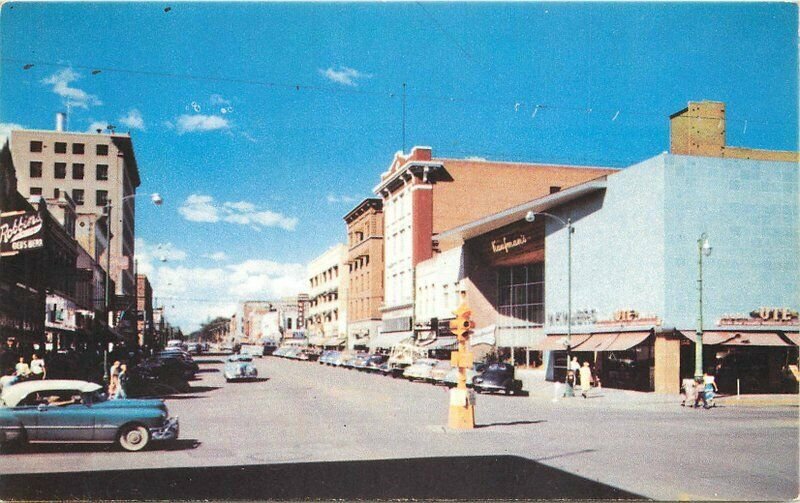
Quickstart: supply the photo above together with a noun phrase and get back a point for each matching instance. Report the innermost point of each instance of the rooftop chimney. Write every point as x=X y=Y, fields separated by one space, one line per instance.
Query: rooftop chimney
x=60 y=116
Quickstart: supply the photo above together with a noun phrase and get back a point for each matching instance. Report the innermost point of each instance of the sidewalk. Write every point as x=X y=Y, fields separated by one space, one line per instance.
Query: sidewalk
x=533 y=381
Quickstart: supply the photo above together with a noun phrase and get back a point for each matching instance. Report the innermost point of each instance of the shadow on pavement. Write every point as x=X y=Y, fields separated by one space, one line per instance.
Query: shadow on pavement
x=509 y=423
x=202 y=362
x=474 y=477
x=202 y=389
x=206 y=371
x=250 y=379
x=178 y=445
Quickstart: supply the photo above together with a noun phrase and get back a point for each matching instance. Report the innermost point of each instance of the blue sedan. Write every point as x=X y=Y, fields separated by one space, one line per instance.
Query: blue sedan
x=79 y=411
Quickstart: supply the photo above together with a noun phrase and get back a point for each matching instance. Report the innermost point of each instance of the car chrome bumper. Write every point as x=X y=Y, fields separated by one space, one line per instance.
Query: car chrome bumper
x=167 y=432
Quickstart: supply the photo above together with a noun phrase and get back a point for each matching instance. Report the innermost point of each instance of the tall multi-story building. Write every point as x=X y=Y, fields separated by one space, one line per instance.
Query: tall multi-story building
x=144 y=311
x=423 y=196
x=92 y=168
x=326 y=321
x=365 y=265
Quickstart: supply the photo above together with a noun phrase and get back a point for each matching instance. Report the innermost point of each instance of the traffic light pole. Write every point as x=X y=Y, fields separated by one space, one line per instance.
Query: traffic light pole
x=462 y=403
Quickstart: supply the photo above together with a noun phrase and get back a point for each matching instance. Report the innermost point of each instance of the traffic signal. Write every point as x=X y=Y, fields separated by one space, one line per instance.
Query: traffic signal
x=462 y=325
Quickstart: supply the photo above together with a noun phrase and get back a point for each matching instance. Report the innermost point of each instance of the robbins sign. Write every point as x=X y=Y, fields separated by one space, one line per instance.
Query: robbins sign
x=20 y=231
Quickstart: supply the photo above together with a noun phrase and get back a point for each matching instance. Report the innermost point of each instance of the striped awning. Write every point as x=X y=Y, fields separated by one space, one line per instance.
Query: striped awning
x=763 y=339
x=619 y=341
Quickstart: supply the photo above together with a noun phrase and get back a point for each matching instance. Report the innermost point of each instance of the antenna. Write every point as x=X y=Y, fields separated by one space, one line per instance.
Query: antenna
x=404 y=116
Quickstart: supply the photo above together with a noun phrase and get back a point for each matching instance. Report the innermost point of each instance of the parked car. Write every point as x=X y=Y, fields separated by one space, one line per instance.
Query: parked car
x=330 y=356
x=439 y=371
x=270 y=346
x=356 y=359
x=420 y=369
x=497 y=377
x=194 y=348
x=451 y=379
x=149 y=379
x=340 y=358
x=239 y=367
x=170 y=365
x=374 y=362
x=79 y=411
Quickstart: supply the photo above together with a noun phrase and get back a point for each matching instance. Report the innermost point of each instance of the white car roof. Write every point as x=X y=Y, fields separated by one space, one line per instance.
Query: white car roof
x=16 y=392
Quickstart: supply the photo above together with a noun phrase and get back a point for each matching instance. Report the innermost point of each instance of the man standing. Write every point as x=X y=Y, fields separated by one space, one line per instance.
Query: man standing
x=586 y=379
x=38 y=369
x=574 y=366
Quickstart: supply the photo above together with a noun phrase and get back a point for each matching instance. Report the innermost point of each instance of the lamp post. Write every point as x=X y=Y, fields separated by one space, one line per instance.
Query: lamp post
x=703 y=248
x=157 y=200
x=530 y=217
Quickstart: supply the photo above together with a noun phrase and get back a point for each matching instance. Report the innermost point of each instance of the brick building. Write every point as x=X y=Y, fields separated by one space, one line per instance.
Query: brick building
x=365 y=263
x=145 y=324
x=423 y=196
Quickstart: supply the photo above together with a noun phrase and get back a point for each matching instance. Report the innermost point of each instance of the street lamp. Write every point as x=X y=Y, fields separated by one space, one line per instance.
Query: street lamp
x=703 y=248
x=530 y=217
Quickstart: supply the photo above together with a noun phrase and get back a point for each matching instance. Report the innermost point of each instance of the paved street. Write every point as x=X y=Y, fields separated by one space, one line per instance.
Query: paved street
x=302 y=414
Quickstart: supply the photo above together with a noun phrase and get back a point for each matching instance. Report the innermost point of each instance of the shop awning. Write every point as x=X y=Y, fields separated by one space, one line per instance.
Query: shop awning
x=794 y=337
x=557 y=342
x=386 y=341
x=334 y=341
x=617 y=341
x=442 y=343
x=764 y=339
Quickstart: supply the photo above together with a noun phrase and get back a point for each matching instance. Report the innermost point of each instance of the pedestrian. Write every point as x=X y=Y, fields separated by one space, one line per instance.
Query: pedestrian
x=699 y=393
x=22 y=370
x=569 y=382
x=574 y=366
x=38 y=369
x=687 y=391
x=586 y=378
x=113 y=379
x=123 y=382
x=709 y=388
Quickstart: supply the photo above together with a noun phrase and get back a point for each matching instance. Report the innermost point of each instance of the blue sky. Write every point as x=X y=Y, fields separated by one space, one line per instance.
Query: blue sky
x=262 y=124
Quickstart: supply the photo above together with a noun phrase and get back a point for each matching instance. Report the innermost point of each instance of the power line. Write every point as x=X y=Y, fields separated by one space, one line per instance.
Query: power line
x=614 y=114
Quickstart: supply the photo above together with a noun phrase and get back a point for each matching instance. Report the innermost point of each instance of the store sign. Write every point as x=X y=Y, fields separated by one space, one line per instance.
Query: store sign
x=762 y=316
x=630 y=317
x=20 y=231
x=579 y=317
x=506 y=243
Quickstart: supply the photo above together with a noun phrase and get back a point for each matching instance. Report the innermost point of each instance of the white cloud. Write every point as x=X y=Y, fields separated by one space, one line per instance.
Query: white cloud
x=5 y=130
x=200 y=123
x=133 y=120
x=202 y=208
x=217 y=256
x=199 y=208
x=193 y=294
x=344 y=75
x=71 y=96
x=334 y=199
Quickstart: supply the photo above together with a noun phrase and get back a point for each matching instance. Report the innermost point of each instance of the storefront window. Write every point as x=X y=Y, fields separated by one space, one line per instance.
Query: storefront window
x=520 y=292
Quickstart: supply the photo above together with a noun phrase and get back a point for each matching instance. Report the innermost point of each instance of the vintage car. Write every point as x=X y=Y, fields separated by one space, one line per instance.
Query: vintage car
x=374 y=362
x=252 y=350
x=439 y=372
x=451 y=378
x=420 y=369
x=497 y=377
x=239 y=367
x=79 y=411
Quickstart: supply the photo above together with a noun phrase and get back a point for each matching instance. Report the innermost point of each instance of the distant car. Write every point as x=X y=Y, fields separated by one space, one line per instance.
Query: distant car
x=357 y=360
x=497 y=377
x=79 y=411
x=239 y=367
x=256 y=350
x=344 y=359
x=420 y=369
x=451 y=379
x=270 y=346
x=330 y=356
x=439 y=371
x=194 y=348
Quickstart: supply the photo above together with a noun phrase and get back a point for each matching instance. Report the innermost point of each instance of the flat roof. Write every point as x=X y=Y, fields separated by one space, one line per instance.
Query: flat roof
x=511 y=215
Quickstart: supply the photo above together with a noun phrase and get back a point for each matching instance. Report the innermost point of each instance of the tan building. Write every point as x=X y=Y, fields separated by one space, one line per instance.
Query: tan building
x=423 y=196
x=326 y=320
x=91 y=168
x=365 y=263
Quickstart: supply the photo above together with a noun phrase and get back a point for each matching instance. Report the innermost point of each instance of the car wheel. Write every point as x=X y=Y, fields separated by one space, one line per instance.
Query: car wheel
x=133 y=438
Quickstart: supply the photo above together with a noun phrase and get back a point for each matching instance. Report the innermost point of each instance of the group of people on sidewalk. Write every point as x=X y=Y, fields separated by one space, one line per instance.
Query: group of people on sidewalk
x=24 y=371
x=118 y=380
x=700 y=389
x=577 y=373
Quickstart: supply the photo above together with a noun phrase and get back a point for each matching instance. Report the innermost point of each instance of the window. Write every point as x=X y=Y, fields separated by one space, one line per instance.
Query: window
x=77 y=196
x=102 y=171
x=77 y=171
x=102 y=150
x=56 y=193
x=36 y=146
x=77 y=148
x=61 y=147
x=36 y=191
x=521 y=294
x=36 y=169
x=60 y=170
x=102 y=197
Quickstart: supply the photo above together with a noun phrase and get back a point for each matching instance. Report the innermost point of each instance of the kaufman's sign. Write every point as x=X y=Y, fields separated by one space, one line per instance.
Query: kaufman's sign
x=20 y=231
